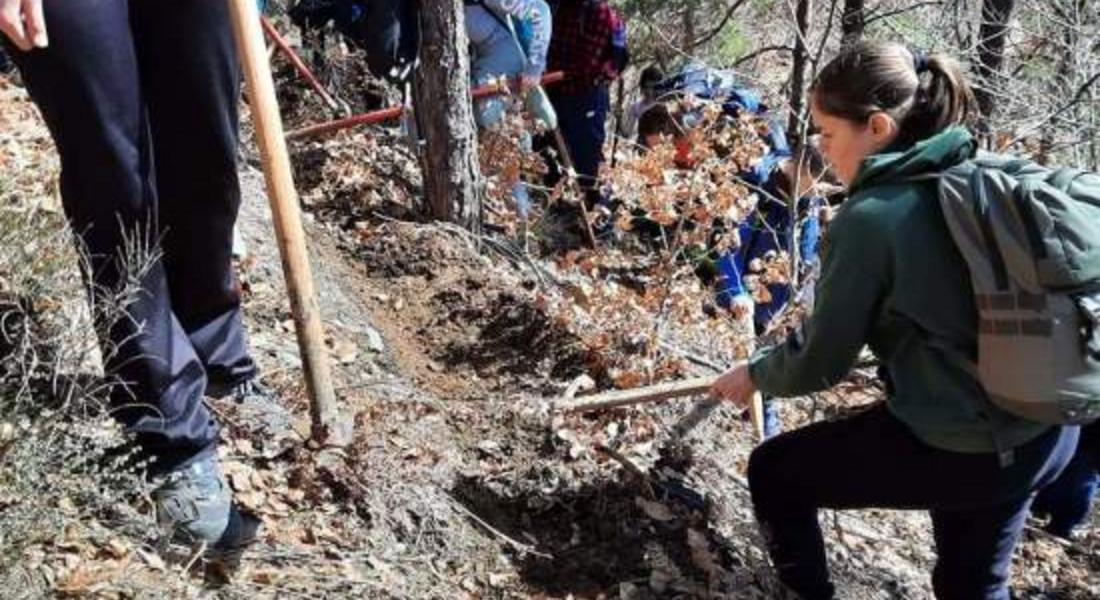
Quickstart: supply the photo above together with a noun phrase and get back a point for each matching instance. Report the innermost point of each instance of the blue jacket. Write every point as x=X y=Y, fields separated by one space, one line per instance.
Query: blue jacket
x=768 y=229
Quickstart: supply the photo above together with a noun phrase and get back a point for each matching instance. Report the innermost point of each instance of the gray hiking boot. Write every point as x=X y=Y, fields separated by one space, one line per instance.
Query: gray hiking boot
x=193 y=502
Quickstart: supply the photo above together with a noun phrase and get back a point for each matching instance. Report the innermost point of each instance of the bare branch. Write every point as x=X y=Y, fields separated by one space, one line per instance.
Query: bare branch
x=708 y=36
x=878 y=16
x=755 y=53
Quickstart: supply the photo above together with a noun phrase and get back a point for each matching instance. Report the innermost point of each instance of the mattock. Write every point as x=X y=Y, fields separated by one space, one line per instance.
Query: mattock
x=665 y=391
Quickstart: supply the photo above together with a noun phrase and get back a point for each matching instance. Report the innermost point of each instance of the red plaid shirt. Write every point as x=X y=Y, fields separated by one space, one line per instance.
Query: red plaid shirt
x=580 y=45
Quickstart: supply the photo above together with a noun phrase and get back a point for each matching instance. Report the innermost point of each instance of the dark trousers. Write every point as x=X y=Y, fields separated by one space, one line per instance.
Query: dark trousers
x=581 y=118
x=141 y=100
x=872 y=460
x=1070 y=497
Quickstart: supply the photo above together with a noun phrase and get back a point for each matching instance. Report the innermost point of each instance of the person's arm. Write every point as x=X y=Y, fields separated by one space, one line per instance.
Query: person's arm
x=22 y=21
x=542 y=29
x=856 y=272
x=537 y=13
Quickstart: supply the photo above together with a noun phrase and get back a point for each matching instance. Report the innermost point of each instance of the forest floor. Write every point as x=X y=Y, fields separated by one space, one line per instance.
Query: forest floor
x=461 y=481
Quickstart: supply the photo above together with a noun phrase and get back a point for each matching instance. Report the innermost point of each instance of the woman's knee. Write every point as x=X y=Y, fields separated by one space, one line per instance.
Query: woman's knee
x=768 y=464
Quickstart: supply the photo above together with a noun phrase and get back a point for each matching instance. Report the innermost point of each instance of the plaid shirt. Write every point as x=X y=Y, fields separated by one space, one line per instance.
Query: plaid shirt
x=581 y=44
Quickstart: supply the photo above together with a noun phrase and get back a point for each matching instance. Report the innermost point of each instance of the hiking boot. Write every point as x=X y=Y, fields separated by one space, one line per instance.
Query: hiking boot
x=224 y=557
x=258 y=411
x=193 y=503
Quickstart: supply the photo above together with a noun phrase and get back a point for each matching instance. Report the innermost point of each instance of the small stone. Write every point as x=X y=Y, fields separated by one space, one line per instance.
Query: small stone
x=374 y=340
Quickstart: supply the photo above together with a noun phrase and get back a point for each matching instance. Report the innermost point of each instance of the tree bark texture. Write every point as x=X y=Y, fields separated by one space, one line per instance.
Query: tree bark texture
x=798 y=69
x=992 y=34
x=448 y=158
x=851 y=22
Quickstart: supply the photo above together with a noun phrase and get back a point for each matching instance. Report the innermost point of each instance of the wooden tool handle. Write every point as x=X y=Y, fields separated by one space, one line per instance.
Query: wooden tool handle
x=386 y=114
x=665 y=391
x=287 y=218
x=651 y=393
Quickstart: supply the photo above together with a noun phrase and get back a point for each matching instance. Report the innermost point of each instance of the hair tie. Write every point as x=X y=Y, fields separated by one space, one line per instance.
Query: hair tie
x=920 y=61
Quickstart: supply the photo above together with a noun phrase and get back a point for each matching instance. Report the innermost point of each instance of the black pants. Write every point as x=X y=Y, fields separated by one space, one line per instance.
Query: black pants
x=872 y=460
x=141 y=99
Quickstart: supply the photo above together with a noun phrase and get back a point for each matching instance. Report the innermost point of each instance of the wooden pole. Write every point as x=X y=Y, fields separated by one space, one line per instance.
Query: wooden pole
x=289 y=234
x=563 y=150
x=393 y=112
x=664 y=391
x=296 y=61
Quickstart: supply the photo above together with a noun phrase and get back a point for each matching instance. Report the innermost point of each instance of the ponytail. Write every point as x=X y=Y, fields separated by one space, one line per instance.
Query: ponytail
x=924 y=94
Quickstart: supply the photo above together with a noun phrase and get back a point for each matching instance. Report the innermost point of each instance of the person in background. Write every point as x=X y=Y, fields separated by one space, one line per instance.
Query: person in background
x=589 y=46
x=765 y=235
x=510 y=39
x=890 y=268
x=1067 y=501
x=650 y=98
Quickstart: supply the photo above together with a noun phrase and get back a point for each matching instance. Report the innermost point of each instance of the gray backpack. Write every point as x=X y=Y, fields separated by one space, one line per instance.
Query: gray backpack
x=1031 y=239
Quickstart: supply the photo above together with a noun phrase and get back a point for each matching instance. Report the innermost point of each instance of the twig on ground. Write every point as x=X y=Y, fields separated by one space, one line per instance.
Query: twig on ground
x=518 y=545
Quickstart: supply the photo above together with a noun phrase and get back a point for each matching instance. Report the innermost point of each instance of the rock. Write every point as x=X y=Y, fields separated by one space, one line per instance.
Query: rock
x=345 y=352
x=374 y=340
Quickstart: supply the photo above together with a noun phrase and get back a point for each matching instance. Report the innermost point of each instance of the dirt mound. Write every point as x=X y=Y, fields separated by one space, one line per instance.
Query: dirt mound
x=508 y=335
x=464 y=324
x=395 y=250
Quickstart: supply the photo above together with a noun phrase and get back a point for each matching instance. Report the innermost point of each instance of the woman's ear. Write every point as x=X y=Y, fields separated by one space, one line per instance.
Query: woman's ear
x=883 y=129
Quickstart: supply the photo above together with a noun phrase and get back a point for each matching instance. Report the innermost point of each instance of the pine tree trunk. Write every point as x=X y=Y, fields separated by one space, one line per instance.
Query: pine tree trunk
x=992 y=35
x=448 y=160
x=688 y=24
x=798 y=71
x=851 y=22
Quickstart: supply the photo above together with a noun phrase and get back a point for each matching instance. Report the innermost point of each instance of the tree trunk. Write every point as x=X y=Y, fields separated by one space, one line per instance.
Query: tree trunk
x=798 y=71
x=851 y=22
x=992 y=34
x=688 y=22
x=448 y=160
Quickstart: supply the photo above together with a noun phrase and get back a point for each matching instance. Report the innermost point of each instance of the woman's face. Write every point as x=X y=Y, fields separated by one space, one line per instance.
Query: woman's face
x=846 y=143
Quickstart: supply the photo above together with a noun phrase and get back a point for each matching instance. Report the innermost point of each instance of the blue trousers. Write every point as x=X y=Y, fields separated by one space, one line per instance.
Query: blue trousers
x=581 y=117
x=141 y=101
x=1070 y=497
x=873 y=460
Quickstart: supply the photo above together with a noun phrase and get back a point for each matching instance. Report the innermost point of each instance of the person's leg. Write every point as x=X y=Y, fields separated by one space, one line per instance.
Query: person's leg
x=829 y=465
x=87 y=86
x=596 y=132
x=974 y=550
x=1068 y=499
x=581 y=120
x=975 y=543
x=190 y=76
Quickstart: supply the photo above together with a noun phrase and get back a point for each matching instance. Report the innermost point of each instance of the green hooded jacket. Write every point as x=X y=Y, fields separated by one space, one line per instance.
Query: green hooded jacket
x=892 y=279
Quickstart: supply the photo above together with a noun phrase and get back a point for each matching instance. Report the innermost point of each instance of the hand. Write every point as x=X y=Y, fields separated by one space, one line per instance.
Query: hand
x=735 y=386
x=23 y=23
x=526 y=82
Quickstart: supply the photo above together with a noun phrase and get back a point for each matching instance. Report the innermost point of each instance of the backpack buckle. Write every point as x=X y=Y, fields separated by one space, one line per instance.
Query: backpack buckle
x=1089 y=305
